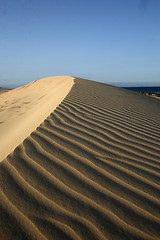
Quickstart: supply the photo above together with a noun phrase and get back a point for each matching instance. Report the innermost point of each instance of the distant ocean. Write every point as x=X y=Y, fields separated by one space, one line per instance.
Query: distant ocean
x=144 y=89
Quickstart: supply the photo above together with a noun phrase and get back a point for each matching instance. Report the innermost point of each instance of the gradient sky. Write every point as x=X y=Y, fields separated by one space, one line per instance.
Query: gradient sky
x=112 y=41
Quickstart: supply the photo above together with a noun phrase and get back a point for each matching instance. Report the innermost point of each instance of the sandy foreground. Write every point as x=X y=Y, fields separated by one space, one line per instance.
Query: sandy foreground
x=86 y=164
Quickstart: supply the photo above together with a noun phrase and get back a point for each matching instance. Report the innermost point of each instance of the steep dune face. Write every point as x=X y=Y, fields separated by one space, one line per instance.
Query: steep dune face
x=89 y=171
x=24 y=108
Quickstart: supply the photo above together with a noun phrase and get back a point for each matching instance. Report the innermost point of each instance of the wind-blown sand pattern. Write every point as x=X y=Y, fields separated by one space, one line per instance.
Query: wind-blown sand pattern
x=91 y=170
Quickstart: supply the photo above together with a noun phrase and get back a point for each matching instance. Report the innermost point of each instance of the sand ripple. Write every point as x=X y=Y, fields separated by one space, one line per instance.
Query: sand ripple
x=91 y=170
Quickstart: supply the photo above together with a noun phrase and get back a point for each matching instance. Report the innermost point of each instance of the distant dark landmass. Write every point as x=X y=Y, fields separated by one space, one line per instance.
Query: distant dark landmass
x=144 y=89
x=2 y=90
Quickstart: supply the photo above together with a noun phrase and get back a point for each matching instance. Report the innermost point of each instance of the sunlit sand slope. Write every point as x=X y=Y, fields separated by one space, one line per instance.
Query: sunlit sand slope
x=90 y=171
x=24 y=108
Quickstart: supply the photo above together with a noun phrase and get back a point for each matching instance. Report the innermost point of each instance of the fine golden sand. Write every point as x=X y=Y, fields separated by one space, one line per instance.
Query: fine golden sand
x=90 y=171
x=24 y=108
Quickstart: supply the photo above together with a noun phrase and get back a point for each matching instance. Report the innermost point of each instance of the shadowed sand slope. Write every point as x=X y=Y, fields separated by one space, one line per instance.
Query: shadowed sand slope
x=90 y=171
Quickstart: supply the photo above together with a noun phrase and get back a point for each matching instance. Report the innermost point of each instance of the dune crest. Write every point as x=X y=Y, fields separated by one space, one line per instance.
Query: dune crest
x=24 y=108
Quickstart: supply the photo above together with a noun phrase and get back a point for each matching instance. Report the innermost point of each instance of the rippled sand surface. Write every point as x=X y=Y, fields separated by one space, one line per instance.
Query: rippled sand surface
x=90 y=171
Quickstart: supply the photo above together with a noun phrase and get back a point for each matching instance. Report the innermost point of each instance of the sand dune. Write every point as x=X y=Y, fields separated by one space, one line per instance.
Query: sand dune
x=91 y=170
x=24 y=108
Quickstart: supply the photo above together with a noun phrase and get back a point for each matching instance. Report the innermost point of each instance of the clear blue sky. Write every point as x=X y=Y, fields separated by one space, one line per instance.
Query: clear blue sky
x=112 y=41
